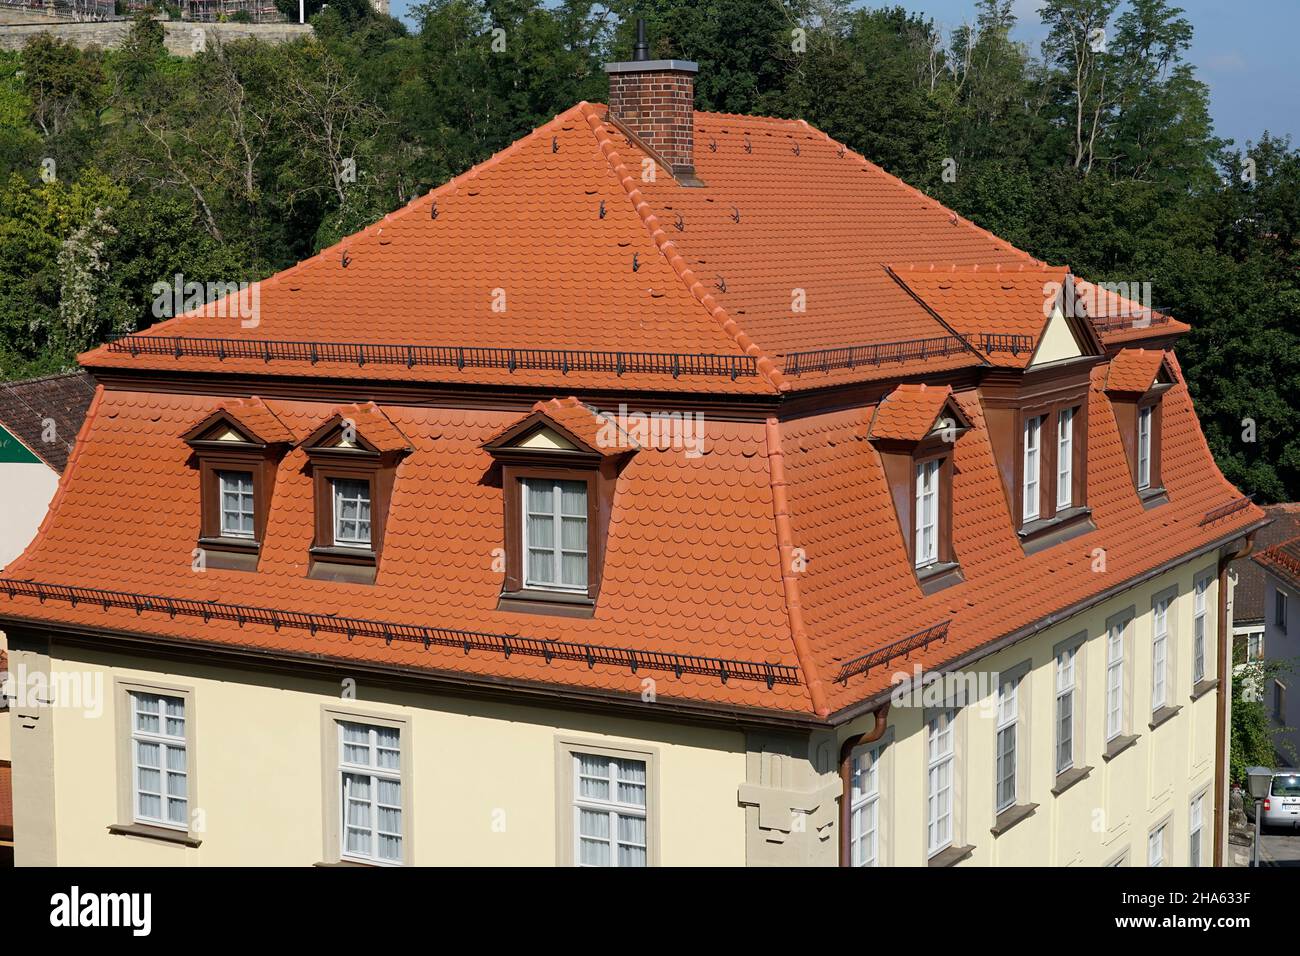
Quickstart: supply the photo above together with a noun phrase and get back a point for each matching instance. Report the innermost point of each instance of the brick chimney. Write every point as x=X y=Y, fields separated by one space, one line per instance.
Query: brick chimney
x=653 y=101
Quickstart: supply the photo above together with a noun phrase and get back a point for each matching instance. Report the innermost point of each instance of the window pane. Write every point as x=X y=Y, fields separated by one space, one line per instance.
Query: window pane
x=573 y=498
x=575 y=570
x=594 y=824
x=540 y=497
x=541 y=531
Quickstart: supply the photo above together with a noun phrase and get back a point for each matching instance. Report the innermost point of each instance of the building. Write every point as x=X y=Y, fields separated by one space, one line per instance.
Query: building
x=39 y=420
x=1250 y=589
x=1280 y=564
x=591 y=508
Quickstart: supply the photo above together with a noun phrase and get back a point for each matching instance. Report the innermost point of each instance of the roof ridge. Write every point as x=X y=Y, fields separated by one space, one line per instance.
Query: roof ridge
x=78 y=444
x=789 y=580
x=668 y=249
x=956 y=217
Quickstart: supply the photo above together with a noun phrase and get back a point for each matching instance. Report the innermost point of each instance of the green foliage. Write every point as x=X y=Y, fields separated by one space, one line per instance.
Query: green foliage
x=1099 y=154
x=1255 y=740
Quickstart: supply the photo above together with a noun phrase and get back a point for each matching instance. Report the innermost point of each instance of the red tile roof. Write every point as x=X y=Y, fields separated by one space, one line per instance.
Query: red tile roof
x=254 y=418
x=780 y=254
x=988 y=306
x=370 y=423
x=580 y=422
x=1119 y=319
x=909 y=412
x=1282 y=559
x=775 y=551
x=1134 y=370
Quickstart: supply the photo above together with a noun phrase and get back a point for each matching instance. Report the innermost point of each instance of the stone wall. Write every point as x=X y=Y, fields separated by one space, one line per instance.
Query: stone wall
x=179 y=37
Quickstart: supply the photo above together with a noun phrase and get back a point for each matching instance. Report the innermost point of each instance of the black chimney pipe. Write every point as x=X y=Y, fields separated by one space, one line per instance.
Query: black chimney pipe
x=641 y=51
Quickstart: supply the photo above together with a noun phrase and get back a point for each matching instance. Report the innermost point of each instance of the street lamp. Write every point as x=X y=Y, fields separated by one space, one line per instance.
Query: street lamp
x=1260 y=778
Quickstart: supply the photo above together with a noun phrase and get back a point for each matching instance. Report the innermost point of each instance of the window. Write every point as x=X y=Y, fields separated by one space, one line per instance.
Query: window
x=555 y=534
x=1254 y=645
x=609 y=811
x=1156 y=846
x=1144 y=448
x=1279 y=609
x=1199 y=614
x=1279 y=701
x=927 y=513
x=236 y=503
x=351 y=512
x=1195 y=829
x=1032 y=468
x=158 y=760
x=864 y=808
x=1159 y=653
x=1115 y=680
x=1008 y=719
x=940 y=781
x=1065 y=682
x=370 y=792
x=1065 y=459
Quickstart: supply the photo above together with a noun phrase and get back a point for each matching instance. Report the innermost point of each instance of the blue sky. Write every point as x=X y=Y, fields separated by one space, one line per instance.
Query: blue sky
x=1243 y=50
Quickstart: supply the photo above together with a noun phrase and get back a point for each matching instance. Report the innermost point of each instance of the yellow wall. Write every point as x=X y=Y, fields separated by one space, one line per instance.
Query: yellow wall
x=258 y=759
x=1117 y=804
x=1057 y=342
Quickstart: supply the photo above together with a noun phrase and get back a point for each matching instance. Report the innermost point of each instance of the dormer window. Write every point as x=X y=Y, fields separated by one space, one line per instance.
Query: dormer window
x=559 y=468
x=353 y=458
x=1144 y=448
x=1136 y=383
x=237 y=512
x=555 y=534
x=927 y=512
x=237 y=448
x=1065 y=459
x=351 y=513
x=915 y=430
x=1032 y=468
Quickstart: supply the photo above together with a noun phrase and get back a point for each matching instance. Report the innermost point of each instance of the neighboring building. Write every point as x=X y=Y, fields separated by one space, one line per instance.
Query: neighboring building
x=39 y=421
x=1281 y=623
x=413 y=549
x=1249 y=597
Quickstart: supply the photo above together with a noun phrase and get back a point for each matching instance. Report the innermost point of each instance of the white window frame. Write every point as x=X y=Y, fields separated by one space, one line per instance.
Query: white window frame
x=167 y=743
x=1200 y=626
x=557 y=550
x=927 y=512
x=1065 y=459
x=1254 y=645
x=1196 y=830
x=1280 y=599
x=1006 y=744
x=376 y=773
x=1160 y=640
x=941 y=763
x=864 y=806
x=1116 y=652
x=338 y=498
x=241 y=496
x=1067 y=666
x=615 y=808
x=1032 y=496
x=567 y=830
x=1156 y=845
x=1144 y=447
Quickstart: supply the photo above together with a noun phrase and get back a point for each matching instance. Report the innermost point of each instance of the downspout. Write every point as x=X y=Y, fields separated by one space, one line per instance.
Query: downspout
x=846 y=777
x=1223 y=712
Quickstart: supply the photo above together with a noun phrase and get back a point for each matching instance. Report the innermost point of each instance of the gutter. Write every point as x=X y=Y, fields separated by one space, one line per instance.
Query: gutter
x=846 y=778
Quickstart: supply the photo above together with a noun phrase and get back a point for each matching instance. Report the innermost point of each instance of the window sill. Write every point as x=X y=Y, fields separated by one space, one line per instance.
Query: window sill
x=230 y=554
x=161 y=834
x=936 y=577
x=558 y=603
x=350 y=565
x=951 y=856
x=1011 y=816
x=1165 y=713
x=1201 y=688
x=1044 y=532
x=1068 y=778
x=1119 y=745
x=331 y=864
x=1153 y=497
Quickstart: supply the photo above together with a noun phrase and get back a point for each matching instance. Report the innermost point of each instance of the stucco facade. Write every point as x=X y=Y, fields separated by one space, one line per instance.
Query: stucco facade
x=486 y=786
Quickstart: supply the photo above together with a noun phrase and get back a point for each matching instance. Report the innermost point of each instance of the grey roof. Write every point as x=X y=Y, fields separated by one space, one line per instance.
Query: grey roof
x=1248 y=599
x=28 y=409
